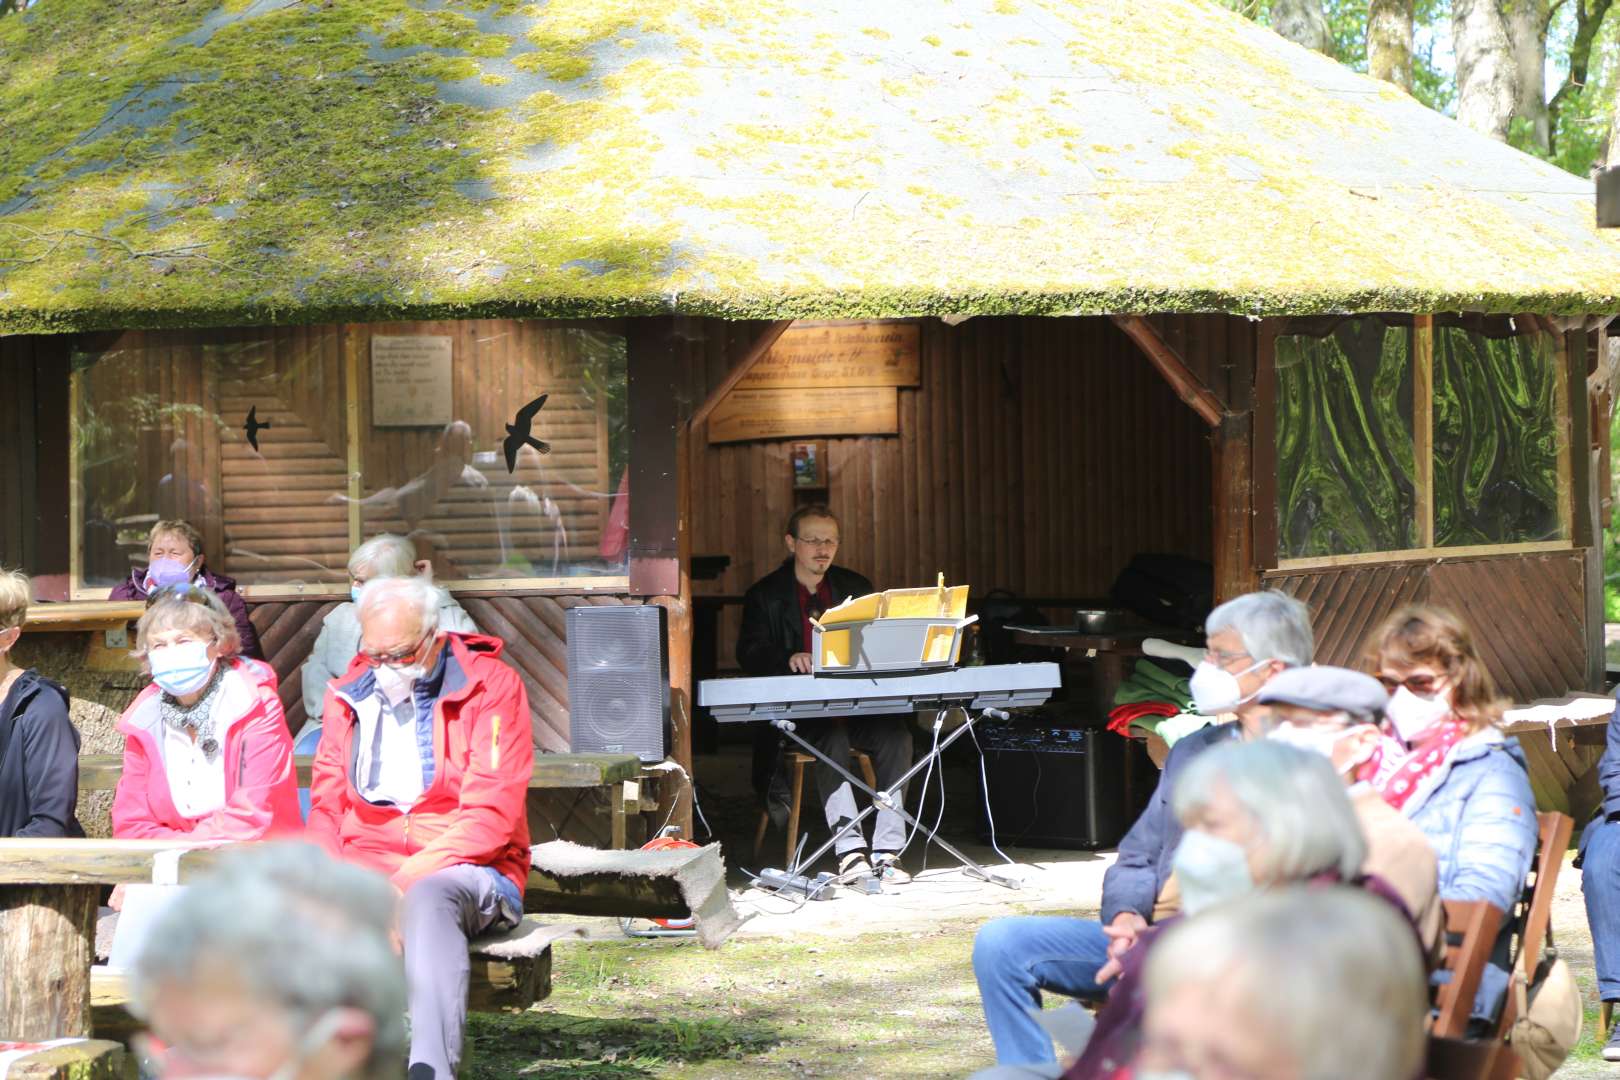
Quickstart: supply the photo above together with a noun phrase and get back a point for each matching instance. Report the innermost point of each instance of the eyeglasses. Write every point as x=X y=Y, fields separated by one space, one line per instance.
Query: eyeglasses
x=1417 y=684
x=404 y=656
x=1222 y=659
x=818 y=541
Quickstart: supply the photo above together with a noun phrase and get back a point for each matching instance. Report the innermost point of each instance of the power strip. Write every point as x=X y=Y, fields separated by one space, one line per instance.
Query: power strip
x=816 y=888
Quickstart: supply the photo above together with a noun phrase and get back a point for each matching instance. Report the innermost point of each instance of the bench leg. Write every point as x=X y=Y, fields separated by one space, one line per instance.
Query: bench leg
x=619 y=829
x=47 y=944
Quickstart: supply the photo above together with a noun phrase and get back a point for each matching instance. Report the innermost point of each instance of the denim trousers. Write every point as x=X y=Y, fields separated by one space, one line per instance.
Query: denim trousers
x=1600 y=883
x=1015 y=959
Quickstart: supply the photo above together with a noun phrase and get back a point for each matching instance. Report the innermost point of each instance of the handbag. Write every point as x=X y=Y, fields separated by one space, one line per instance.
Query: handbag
x=1548 y=1018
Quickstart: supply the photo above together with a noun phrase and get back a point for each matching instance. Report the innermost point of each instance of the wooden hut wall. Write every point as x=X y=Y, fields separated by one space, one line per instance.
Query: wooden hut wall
x=1037 y=455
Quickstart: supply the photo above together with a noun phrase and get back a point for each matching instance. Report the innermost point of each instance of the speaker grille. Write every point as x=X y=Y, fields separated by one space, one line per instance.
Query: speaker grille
x=618 y=680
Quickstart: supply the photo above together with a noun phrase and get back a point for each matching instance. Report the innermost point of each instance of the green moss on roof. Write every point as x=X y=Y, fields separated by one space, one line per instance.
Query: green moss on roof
x=748 y=158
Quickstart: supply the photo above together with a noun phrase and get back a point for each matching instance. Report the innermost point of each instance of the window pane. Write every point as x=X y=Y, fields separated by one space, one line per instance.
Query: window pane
x=436 y=468
x=160 y=434
x=1344 y=439
x=1496 y=433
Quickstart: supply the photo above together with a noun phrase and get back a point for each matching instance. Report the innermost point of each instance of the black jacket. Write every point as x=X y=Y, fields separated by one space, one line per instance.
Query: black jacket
x=39 y=760
x=772 y=624
x=772 y=631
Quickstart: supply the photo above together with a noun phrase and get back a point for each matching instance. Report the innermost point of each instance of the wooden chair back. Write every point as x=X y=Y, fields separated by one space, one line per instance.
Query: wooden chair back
x=1534 y=914
x=1471 y=927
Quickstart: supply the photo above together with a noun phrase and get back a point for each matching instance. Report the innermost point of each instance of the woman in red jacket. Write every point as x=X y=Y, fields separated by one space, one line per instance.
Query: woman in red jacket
x=207 y=755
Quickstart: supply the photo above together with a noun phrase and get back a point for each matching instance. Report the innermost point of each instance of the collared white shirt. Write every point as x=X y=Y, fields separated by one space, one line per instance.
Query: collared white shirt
x=196 y=784
x=388 y=767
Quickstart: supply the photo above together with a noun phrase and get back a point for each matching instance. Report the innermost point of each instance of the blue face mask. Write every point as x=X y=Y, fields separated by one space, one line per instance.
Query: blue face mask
x=354 y=593
x=181 y=669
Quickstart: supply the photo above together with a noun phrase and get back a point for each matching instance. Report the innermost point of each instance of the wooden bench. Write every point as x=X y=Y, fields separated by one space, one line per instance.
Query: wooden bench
x=617 y=772
x=94 y=1059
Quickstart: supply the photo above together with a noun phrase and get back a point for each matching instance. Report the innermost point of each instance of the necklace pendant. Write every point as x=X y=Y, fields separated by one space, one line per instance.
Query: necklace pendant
x=209 y=746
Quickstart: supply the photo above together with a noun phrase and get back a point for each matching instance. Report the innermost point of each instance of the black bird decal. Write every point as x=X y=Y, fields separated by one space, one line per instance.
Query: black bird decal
x=253 y=426
x=517 y=433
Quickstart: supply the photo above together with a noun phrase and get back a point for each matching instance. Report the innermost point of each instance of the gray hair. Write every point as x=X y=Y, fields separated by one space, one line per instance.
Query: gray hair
x=1273 y=626
x=192 y=607
x=1332 y=974
x=385 y=555
x=1297 y=802
x=411 y=592
x=303 y=932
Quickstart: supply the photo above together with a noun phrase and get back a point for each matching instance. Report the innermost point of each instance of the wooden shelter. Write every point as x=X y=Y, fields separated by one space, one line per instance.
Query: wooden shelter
x=1177 y=285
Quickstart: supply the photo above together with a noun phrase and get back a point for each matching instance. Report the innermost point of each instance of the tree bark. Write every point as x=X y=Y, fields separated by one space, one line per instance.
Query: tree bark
x=1487 y=80
x=1589 y=16
x=1389 y=41
x=46 y=941
x=1302 y=22
x=1527 y=34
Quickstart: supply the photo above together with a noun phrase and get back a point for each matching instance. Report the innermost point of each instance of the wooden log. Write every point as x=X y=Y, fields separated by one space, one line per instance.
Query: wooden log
x=604 y=894
x=47 y=941
x=95 y=1059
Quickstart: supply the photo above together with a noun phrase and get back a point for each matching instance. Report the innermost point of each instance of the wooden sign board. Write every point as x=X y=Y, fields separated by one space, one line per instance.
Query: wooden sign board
x=839 y=354
x=410 y=381
x=787 y=414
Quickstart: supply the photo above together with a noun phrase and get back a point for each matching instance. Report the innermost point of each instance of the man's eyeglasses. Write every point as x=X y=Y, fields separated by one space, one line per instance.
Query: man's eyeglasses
x=1418 y=684
x=402 y=656
x=818 y=541
x=1222 y=659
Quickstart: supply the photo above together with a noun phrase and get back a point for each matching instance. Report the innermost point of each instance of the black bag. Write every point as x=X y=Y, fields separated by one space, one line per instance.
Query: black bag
x=1170 y=590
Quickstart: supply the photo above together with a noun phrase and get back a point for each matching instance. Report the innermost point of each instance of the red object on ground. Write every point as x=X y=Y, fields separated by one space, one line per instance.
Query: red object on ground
x=661 y=843
x=1122 y=716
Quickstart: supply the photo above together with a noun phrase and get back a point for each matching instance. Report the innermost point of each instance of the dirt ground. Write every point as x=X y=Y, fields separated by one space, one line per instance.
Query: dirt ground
x=857 y=986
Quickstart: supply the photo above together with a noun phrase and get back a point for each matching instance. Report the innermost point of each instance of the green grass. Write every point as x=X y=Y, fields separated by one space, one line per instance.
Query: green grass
x=874 y=1006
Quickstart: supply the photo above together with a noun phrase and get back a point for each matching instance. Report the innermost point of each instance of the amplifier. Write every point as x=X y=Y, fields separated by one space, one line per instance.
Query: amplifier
x=1059 y=787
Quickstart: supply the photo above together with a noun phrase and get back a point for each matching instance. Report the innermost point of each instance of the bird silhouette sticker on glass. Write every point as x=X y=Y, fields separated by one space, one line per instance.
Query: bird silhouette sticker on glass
x=253 y=426
x=517 y=433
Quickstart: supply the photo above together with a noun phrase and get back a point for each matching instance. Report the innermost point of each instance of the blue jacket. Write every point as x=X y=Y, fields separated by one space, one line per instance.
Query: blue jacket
x=1481 y=822
x=1134 y=881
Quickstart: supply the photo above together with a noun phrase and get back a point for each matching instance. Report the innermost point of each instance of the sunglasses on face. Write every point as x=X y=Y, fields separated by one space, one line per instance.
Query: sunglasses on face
x=1422 y=685
x=402 y=656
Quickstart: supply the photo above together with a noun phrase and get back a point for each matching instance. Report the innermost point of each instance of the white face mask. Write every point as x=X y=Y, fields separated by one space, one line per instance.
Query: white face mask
x=1216 y=690
x=1210 y=870
x=181 y=669
x=397 y=683
x=1317 y=740
x=1412 y=715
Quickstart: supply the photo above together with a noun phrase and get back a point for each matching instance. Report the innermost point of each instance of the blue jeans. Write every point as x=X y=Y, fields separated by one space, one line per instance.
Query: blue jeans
x=1600 y=882
x=1015 y=959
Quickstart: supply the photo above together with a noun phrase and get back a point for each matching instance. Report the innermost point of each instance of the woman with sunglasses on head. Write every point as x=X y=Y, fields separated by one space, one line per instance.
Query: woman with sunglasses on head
x=174 y=556
x=207 y=755
x=1444 y=762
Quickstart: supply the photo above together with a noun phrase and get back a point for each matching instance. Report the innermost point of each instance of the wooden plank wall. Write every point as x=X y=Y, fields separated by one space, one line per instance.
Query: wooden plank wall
x=1038 y=455
x=279 y=515
x=1527 y=612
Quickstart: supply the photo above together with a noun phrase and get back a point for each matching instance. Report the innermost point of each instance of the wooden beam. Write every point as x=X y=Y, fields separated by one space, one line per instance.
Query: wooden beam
x=756 y=352
x=1234 y=508
x=1186 y=383
x=100 y=772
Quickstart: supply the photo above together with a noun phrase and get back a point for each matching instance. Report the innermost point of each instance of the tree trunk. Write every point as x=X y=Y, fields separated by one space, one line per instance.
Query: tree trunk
x=1527 y=33
x=1302 y=22
x=1389 y=41
x=46 y=941
x=1487 y=80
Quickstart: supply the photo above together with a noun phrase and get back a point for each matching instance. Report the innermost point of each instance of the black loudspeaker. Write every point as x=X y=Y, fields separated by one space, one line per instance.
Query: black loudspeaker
x=1058 y=787
x=618 y=680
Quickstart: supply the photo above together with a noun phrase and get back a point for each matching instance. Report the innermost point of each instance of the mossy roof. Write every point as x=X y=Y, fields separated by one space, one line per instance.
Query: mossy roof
x=183 y=162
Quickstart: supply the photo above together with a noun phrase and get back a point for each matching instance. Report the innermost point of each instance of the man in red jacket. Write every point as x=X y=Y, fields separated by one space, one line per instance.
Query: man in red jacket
x=422 y=774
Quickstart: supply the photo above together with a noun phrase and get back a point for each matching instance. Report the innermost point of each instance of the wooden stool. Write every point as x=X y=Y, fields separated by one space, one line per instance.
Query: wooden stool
x=799 y=760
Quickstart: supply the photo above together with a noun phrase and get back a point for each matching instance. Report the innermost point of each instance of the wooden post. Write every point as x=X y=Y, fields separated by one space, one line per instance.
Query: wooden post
x=47 y=942
x=1233 y=491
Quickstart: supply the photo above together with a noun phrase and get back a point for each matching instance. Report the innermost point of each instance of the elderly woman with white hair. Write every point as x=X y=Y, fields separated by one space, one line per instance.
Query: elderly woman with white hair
x=1256 y=815
x=1299 y=984
x=206 y=750
x=383 y=556
x=278 y=964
